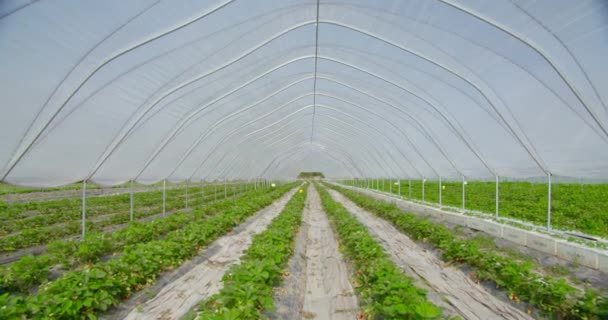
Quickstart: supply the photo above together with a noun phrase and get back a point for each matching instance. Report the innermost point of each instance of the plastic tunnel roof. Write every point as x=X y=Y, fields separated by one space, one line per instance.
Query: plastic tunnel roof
x=112 y=91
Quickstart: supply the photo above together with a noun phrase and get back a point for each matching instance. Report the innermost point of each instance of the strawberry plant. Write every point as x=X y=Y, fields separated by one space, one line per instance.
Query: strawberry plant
x=247 y=291
x=384 y=291
x=82 y=293
x=555 y=297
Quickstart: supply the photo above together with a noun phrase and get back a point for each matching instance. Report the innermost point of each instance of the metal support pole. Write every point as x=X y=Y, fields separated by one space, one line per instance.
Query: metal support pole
x=464 y=183
x=202 y=192
x=164 y=197
x=84 y=207
x=548 y=201
x=187 y=183
x=215 y=191
x=409 y=182
x=225 y=189
x=440 y=194
x=399 y=187
x=131 y=202
x=390 y=185
x=383 y=188
x=423 y=181
x=497 y=202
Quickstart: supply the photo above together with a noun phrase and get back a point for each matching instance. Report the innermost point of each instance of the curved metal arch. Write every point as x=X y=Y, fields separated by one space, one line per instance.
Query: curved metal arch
x=434 y=62
x=354 y=143
x=420 y=126
x=298 y=148
x=199 y=140
x=296 y=152
x=221 y=121
x=128 y=128
x=384 y=40
x=538 y=49
x=346 y=156
x=394 y=145
x=183 y=121
x=144 y=62
x=257 y=130
x=19 y=154
x=298 y=129
x=528 y=146
x=374 y=154
x=431 y=104
x=354 y=132
x=306 y=143
x=487 y=90
x=471 y=41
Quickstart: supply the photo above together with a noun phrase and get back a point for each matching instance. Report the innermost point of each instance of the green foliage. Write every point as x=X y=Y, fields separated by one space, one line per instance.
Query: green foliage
x=384 y=291
x=59 y=219
x=248 y=286
x=308 y=175
x=554 y=296
x=574 y=207
x=81 y=293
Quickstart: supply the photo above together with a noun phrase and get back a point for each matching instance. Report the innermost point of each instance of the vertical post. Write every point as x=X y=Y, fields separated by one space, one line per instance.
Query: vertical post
x=409 y=183
x=464 y=183
x=215 y=191
x=440 y=193
x=131 y=202
x=423 y=181
x=497 y=181
x=399 y=187
x=202 y=192
x=84 y=207
x=383 y=188
x=390 y=185
x=164 y=197
x=225 y=188
x=187 y=184
x=548 y=201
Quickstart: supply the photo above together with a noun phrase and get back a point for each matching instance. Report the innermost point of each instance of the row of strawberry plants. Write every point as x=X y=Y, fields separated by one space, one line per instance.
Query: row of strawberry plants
x=556 y=297
x=248 y=286
x=30 y=270
x=56 y=211
x=28 y=237
x=83 y=293
x=574 y=206
x=384 y=291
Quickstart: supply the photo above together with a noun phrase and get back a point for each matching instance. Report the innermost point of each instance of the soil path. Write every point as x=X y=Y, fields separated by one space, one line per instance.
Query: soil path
x=185 y=287
x=448 y=287
x=324 y=290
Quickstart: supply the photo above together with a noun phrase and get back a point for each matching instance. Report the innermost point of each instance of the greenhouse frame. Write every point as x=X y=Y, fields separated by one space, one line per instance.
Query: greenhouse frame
x=165 y=131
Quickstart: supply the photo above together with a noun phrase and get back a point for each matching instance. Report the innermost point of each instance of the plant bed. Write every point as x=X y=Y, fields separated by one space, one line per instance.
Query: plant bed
x=553 y=296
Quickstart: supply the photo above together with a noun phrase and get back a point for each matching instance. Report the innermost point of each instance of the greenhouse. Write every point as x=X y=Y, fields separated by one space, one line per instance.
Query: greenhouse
x=304 y=159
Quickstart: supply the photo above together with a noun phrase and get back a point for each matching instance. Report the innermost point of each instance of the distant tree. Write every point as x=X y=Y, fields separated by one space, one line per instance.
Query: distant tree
x=309 y=175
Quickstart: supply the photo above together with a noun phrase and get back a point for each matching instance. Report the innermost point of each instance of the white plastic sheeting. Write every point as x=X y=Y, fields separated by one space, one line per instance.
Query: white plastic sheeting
x=112 y=91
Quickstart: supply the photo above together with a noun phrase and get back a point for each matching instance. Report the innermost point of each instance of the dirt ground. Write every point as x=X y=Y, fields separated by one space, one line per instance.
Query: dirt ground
x=318 y=285
x=177 y=292
x=448 y=287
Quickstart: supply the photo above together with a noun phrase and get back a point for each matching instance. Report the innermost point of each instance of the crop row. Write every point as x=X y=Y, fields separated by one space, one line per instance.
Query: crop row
x=248 y=286
x=30 y=270
x=83 y=293
x=31 y=233
x=576 y=207
x=9 y=189
x=385 y=291
x=39 y=213
x=555 y=297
